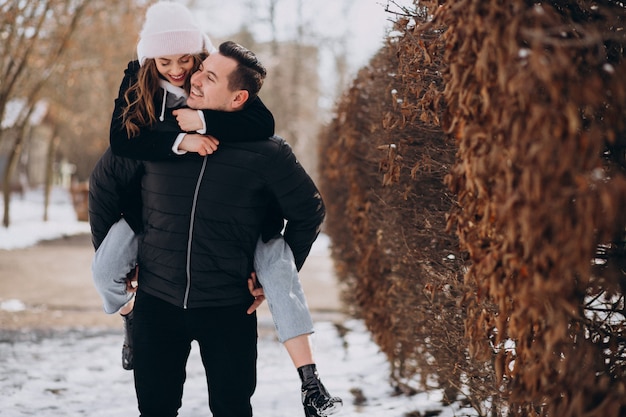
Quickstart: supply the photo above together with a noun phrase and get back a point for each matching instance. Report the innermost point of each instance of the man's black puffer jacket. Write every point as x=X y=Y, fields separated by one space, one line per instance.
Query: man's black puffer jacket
x=203 y=215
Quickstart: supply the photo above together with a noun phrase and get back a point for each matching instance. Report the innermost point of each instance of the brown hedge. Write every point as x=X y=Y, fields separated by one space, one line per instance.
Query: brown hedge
x=532 y=99
x=536 y=98
x=382 y=168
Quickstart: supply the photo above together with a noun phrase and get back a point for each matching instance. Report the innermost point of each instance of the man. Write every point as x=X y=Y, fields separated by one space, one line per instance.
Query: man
x=202 y=217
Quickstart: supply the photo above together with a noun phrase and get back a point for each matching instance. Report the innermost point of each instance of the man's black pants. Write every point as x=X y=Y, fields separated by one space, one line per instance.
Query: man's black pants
x=163 y=333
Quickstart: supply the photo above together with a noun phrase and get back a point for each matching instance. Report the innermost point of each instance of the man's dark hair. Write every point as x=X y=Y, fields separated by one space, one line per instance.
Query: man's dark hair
x=249 y=74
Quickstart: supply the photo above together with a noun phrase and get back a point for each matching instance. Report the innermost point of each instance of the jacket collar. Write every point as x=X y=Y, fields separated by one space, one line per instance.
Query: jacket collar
x=177 y=92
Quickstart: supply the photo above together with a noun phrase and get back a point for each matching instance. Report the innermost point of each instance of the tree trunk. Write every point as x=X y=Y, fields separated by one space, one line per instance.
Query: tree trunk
x=8 y=173
x=52 y=148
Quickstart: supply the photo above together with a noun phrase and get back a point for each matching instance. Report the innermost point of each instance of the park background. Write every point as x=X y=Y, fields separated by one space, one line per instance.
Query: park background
x=473 y=169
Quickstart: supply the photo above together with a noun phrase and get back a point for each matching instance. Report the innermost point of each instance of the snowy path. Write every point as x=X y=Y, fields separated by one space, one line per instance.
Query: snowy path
x=78 y=373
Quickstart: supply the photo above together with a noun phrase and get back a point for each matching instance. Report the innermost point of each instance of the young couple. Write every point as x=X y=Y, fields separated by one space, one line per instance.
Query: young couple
x=189 y=203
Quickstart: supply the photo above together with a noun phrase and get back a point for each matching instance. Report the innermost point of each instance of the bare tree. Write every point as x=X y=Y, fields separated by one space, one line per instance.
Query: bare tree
x=82 y=90
x=34 y=36
x=291 y=89
x=70 y=53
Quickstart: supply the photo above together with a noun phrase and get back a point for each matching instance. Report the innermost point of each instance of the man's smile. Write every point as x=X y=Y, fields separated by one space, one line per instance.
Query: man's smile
x=195 y=91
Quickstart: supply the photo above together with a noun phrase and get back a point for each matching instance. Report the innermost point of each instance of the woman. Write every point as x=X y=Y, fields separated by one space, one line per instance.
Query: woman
x=170 y=48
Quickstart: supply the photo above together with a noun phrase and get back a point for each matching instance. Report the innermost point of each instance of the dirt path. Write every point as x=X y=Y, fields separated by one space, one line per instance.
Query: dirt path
x=53 y=281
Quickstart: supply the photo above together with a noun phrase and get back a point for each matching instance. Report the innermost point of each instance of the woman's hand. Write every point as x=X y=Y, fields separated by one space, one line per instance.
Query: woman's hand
x=202 y=144
x=188 y=120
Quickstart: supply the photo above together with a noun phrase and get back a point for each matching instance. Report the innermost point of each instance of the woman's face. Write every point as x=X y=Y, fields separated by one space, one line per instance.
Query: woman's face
x=175 y=68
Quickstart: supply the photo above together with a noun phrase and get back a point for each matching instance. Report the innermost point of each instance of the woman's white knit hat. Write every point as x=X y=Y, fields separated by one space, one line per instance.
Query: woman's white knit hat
x=170 y=29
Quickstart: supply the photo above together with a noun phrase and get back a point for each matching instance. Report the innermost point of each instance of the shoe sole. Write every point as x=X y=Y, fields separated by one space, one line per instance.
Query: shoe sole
x=334 y=408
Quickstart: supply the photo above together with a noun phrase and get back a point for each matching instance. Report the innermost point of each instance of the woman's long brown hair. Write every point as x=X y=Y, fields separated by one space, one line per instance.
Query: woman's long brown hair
x=139 y=110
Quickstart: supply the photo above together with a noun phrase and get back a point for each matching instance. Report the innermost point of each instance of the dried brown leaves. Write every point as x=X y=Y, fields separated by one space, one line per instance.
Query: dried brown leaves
x=532 y=99
x=535 y=103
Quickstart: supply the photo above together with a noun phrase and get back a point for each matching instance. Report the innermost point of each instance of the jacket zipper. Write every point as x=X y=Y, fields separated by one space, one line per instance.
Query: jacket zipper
x=190 y=238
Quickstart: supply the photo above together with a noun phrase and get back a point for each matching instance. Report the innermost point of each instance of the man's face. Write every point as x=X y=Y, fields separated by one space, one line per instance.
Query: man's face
x=209 y=85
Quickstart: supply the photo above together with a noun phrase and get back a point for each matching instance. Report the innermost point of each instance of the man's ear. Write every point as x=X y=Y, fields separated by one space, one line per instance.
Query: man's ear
x=240 y=99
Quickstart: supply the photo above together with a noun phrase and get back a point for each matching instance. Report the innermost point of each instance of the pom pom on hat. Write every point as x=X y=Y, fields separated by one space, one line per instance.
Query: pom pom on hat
x=170 y=29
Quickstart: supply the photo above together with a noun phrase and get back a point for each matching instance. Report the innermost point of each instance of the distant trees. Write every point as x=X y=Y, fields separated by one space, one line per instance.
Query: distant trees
x=66 y=54
x=82 y=90
x=297 y=91
x=34 y=35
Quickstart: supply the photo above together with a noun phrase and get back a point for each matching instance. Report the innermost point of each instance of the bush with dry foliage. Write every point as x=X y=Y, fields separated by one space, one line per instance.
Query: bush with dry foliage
x=384 y=163
x=532 y=99
x=537 y=103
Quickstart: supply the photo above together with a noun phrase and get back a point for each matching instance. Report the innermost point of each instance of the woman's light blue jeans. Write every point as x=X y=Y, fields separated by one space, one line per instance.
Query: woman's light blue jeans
x=276 y=271
x=273 y=262
x=116 y=256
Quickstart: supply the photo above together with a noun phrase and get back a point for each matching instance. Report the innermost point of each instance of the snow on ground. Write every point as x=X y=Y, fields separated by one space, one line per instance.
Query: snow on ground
x=71 y=374
x=79 y=373
x=26 y=214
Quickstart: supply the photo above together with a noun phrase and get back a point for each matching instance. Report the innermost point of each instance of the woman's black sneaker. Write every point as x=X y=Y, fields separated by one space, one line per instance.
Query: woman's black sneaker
x=316 y=400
